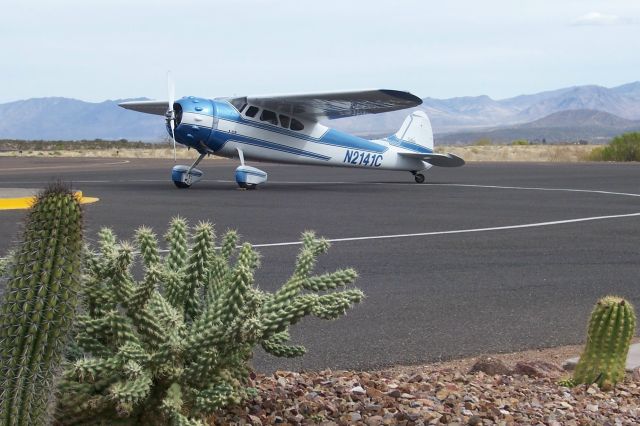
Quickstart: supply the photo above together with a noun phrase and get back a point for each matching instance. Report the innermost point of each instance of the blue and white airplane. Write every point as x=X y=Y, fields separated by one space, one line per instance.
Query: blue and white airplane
x=286 y=129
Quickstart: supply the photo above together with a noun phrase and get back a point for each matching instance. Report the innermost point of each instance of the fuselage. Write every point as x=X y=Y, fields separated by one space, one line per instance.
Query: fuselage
x=218 y=127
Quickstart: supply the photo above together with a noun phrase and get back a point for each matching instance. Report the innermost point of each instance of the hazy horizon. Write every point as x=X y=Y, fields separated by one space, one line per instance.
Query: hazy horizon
x=113 y=50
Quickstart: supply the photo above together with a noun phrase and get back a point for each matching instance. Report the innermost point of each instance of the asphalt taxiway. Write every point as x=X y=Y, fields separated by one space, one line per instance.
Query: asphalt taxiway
x=490 y=257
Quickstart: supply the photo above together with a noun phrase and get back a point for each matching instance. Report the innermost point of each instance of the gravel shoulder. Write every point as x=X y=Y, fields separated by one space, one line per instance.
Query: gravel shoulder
x=441 y=393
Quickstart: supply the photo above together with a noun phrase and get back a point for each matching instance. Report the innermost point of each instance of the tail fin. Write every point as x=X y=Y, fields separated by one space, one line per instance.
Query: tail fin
x=416 y=130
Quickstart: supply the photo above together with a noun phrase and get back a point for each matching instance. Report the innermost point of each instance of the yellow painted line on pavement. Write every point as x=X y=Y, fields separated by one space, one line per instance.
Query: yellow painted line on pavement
x=20 y=203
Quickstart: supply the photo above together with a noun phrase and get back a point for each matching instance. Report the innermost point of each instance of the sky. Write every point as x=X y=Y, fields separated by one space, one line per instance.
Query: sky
x=97 y=50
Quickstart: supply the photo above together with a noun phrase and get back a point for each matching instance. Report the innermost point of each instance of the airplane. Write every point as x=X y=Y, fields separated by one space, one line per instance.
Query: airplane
x=286 y=129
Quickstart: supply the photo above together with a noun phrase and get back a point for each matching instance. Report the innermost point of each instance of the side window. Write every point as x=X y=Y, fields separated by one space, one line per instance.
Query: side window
x=284 y=121
x=269 y=116
x=296 y=125
x=242 y=108
x=251 y=111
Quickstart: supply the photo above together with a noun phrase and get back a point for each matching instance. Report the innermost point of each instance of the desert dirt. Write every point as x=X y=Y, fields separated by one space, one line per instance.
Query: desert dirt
x=557 y=153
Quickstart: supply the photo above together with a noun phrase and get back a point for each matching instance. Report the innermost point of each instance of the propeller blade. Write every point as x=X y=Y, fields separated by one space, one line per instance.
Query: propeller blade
x=171 y=116
x=171 y=89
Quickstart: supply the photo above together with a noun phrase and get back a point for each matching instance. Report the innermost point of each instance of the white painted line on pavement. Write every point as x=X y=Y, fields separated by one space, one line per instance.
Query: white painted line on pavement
x=68 y=166
x=460 y=231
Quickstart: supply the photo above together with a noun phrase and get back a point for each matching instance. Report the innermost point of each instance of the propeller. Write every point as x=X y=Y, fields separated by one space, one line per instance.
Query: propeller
x=171 y=115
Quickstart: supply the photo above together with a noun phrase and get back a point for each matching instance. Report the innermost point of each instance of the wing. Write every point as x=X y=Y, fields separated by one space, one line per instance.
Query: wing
x=149 y=107
x=441 y=160
x=332 y=105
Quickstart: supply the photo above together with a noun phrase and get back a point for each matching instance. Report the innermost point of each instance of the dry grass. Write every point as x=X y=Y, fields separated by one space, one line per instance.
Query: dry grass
x=106 y=153
x=556 y=153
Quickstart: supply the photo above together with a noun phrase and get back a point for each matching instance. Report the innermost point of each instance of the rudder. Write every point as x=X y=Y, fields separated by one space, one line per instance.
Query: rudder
x=416 y=129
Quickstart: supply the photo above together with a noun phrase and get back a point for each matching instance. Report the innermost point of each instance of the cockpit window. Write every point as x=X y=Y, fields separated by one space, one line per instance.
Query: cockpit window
x=251 y=111
x=284 y=121
x=242 y=107
x=269 y=116
x=296 y=125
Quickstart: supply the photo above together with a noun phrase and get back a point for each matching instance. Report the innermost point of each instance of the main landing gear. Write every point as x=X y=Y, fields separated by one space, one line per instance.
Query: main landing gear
x=248 y=177
x=419 y=177
x=185 y=176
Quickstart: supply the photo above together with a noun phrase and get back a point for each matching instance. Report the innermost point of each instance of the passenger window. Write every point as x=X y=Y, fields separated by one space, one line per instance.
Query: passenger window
x=284 y=121
x=269 y=116
x=251 y=111
x=296 y=125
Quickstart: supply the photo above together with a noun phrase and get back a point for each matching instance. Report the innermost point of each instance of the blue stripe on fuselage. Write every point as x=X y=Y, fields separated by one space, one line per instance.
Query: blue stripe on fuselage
x=225 y=137
x=394 y=140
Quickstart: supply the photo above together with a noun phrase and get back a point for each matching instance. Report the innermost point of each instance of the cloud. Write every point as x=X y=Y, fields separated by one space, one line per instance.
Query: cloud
x=597 y=19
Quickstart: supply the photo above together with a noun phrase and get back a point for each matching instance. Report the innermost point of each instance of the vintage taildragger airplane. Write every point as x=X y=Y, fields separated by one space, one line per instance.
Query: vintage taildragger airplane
x=286 y=129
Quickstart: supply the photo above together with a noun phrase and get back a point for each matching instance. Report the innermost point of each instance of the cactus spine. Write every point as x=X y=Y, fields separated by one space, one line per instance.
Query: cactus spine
x=611 y=328
x=39 y=306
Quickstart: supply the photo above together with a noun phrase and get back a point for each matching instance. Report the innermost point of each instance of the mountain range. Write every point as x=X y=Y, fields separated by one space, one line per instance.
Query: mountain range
x=580 y=112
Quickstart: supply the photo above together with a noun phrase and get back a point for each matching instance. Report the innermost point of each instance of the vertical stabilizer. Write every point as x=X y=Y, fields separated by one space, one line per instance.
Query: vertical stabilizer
x=416 y=130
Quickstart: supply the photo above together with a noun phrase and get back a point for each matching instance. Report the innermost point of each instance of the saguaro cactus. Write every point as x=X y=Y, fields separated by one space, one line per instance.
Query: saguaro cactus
x=39 y=306
x=611 y=327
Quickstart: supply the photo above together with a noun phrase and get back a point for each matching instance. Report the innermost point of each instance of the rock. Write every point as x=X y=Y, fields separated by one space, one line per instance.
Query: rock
x=491 y=366
x=475 y=421
x=358 y=390
x=374 y=393
x=416 y=378
x=374 y=421
x=255 y=420
x=537 y=369
x=395 y=393
x=355 y=417
x=442 y=394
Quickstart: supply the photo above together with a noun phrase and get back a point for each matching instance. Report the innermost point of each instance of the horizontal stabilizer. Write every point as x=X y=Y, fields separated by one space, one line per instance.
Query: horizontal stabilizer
x=440 y=160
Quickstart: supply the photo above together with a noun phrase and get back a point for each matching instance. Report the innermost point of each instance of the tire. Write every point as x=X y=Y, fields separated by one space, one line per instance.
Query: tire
x=419 y=177
x=181 y=185
x=245 y=185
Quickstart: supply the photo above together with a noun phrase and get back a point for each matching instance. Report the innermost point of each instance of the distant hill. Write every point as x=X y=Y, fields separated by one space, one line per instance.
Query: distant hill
x=482 y=112
x=71 y=119
x=563 y=126
x=513 y=118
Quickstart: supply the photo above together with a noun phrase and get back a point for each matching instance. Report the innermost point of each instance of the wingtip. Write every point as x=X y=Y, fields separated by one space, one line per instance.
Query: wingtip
x=404 y=95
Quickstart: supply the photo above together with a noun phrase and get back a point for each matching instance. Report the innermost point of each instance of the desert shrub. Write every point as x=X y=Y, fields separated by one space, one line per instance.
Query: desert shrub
x=625 y=147
x=520 y=142
x=175 y=347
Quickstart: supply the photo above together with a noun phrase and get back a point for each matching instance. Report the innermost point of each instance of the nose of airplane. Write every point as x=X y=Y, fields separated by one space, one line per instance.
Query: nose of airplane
x=193 y=120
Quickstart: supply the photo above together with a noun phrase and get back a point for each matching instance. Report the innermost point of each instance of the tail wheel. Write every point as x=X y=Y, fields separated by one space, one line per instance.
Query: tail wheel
x=419 y=177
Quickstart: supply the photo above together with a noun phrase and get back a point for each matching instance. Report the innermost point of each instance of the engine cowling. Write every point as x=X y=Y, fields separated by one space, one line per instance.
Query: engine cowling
x=195 y=119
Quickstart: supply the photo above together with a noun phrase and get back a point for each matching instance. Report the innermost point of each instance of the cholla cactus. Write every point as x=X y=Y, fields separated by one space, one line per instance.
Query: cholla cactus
x=175 y=347
x=611 y=327
x=43 y=277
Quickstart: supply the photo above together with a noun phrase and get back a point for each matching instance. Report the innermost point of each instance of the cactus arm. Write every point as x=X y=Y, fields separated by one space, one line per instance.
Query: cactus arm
x=177 y=239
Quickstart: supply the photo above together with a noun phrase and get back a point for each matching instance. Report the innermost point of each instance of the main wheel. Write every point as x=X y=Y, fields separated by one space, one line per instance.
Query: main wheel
x=419 y=177
x=245 y=185
x=181 y=185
